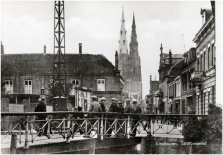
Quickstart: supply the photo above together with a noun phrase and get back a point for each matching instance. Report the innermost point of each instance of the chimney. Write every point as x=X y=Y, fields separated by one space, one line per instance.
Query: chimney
x=44 y=49
x=2 y=48
x=170 y=58
x=116 y=60
x=80 y=48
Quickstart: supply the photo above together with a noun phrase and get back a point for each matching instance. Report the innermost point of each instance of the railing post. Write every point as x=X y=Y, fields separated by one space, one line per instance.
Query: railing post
x=64 y=127
x=26 y=133
x=102 y=128
x=68 y=130
x=150 y=127
x=128 y=128
x=13 y=144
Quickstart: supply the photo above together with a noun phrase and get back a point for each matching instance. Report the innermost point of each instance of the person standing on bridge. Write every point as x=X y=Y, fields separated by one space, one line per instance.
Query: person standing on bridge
x=120 y=125
x=128 y=107
x=96 y=108
x=41 y=107
x=102 y=104
x=111 y=118
x=136 y=110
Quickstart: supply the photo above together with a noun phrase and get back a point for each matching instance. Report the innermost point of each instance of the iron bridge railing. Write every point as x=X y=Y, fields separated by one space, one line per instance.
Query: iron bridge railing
x=88 y=124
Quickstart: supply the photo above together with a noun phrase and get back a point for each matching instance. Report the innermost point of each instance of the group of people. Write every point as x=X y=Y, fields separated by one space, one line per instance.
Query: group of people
x=96 y=107
x=116 y=106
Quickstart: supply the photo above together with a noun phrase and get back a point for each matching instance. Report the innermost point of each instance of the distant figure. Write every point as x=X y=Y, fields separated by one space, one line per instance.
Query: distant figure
x=128 y=108
x=136 y=110
x=41 y=107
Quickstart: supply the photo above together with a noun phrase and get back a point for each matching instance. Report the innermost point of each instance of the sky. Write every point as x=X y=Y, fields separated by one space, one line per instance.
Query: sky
x=26 y=26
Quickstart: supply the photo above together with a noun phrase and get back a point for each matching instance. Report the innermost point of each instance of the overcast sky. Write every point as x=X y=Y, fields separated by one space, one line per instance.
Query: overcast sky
x=27 y=26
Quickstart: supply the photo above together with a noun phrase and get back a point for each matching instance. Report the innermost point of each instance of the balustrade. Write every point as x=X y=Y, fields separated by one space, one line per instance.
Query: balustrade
x=121 y=125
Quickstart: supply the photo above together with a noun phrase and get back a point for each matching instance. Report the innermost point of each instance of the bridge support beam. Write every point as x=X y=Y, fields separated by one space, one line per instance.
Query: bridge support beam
x=79 y=146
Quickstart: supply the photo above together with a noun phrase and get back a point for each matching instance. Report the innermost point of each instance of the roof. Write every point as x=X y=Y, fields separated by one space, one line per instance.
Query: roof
x=175 y=69
x=33 y=64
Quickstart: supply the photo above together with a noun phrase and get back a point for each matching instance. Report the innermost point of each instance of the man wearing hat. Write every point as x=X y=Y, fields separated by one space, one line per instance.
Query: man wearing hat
x=120 y=119
x=102 y=104
x=113 y=108
x=136 y=110
x=128 y=108
x=94 y=107
x=41 y=107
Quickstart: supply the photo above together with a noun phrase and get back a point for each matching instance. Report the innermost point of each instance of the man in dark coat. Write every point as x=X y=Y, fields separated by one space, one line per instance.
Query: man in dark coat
x=94 y=107
x=128 y=107
x=41 y=107
x=111 y=118
x=102 y=104
x=136 y=110
x=120 y=119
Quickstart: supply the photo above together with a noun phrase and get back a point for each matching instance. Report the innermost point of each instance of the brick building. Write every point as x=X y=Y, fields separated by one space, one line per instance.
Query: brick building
x=26 y=75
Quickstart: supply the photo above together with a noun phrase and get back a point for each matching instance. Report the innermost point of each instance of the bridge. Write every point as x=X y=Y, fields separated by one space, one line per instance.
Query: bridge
x=86 y=132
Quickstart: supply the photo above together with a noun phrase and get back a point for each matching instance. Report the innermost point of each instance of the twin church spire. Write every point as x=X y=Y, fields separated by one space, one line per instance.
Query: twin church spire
x=123 y=44
x=129 y=61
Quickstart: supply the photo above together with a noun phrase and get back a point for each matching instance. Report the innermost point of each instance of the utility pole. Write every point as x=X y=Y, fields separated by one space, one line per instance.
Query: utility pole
x=59 y=66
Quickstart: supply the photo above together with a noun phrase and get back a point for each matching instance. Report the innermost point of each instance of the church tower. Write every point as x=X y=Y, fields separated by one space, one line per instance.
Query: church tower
x=135 y=62
x=123 y=48
x=129 y=62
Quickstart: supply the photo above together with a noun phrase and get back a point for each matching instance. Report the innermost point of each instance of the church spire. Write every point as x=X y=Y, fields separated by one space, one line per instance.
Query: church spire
x=123 y=41
x=133 y=42
x=133 y=22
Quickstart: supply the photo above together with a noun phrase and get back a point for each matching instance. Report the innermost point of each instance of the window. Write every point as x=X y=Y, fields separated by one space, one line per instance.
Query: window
x=204 y=61
x=213 y=56
x=213 y=94
x=8 y=87
x=198 y=64
x=208 y=58
x=201 y=69
x=100 y=84
x=28 y=86
x=198 y=103
x=75 y=83
x=204 y=103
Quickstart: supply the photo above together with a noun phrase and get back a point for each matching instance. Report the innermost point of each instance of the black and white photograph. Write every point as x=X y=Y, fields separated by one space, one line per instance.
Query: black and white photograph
x=111 y=77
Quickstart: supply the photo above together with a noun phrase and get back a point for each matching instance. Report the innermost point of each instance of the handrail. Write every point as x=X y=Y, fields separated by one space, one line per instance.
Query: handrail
x=99 y=113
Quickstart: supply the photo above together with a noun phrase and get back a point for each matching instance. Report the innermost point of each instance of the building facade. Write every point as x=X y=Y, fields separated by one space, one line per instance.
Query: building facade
x=168 y=70
x=30 y=75
x=129 y=62
x=204 y=76
x=151 y=98
x=188 y=93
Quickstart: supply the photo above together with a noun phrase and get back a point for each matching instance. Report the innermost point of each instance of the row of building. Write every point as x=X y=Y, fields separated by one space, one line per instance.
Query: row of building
x=187 y=82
